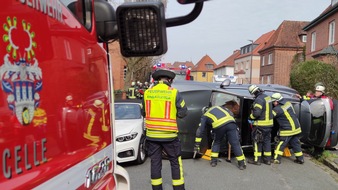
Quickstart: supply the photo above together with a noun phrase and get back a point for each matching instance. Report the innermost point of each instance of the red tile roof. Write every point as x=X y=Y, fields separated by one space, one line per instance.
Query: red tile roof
x=287 y=35
x=201 y=66
x=230 y=61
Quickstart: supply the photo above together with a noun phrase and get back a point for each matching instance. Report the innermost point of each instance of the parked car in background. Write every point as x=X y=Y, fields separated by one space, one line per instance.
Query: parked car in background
x=130 y=132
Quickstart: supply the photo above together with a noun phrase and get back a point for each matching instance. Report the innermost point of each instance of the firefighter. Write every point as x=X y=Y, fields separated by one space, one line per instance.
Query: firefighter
x=222 y=122
x=162 y=105
x=131 y=91
x=262 y=121
x=289 y=128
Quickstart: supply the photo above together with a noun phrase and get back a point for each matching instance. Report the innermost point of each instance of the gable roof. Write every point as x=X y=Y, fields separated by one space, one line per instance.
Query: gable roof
x=260 y=42
x=330 y=10
x=201 y=65
x=187 y=64
x=287 y=35
x=230 y=61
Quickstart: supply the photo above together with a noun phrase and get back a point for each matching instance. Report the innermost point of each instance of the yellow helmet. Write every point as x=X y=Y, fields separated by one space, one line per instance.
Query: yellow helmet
x=277 y=97
x=253 y=88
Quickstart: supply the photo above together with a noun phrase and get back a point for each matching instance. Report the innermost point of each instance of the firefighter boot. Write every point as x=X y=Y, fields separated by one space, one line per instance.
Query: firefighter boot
x=241 y=165
x=277 y=161
x=213 y=162
x=299 y=160
x=258 y=162
x=266 y=161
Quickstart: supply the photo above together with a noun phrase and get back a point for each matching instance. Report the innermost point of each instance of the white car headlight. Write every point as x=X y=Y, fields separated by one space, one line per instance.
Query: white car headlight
x=127 y=137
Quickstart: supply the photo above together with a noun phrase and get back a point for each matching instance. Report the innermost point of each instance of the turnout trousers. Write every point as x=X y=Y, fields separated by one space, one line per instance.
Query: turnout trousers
x=173 y=151
x=231 y=132
x=261 y=137
x=291 y=140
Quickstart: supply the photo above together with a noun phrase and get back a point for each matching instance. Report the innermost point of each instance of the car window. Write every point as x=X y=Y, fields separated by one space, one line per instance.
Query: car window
x=127 y=111
x=219 y=99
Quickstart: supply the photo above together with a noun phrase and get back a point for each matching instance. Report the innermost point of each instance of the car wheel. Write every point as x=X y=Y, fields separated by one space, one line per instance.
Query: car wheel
x=142 y=151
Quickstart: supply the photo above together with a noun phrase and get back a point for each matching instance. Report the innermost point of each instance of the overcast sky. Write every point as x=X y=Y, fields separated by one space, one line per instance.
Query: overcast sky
x=226 y=25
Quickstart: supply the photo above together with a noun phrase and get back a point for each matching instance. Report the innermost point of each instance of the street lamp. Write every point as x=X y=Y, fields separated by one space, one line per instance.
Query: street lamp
x=251 y=60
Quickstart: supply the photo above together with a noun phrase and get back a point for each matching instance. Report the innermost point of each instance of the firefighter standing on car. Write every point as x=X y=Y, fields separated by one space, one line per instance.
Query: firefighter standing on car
x=289 y=128
x=262 y=119
x=162 y=105
x=222 y=122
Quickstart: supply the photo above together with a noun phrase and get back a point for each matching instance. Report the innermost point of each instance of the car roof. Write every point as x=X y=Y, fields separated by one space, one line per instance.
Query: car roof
x=131 y=101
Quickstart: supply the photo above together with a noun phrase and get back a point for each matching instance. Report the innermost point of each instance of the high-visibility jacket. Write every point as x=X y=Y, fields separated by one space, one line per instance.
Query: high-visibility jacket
x=262 y=111
x=162 y=105
x=131 y=93
x=215 y=117
x=287 y=119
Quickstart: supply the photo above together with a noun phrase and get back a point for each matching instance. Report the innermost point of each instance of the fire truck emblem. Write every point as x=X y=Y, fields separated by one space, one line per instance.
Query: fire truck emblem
x=20 y=74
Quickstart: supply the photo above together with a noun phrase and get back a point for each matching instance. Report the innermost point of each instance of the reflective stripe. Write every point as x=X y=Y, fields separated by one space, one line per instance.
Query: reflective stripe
x=258 y=106
x=167 y=109
x=277 y=150
x=198 y=139
x=214 y=154
x=240 y=158
x=156 y=181
x=182 y=103
x=298 y=154
x=267 y=153
x=177 y=182
x=160 y=134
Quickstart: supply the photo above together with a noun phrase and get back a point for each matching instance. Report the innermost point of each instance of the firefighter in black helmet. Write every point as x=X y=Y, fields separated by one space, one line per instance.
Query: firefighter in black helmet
x=162 y=105
x=262 y=119
x=289 y=128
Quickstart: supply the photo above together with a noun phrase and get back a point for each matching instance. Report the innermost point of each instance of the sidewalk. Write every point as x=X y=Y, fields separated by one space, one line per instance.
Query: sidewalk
x=333 y=164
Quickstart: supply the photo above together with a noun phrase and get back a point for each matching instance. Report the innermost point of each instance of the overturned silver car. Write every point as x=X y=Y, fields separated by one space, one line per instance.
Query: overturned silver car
x=319 y=123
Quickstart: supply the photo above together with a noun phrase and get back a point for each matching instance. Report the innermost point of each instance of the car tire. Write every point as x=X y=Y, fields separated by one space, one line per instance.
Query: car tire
x=142 y=151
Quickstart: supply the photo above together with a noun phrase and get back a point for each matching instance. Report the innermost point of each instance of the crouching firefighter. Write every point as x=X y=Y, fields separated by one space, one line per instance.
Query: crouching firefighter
x=289 y=128
x=162 y=104
x=222 y=122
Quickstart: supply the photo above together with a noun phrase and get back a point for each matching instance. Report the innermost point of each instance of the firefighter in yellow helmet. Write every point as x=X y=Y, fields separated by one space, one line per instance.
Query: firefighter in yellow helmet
x=289 y=128
x=162 y=104
x=262 y=121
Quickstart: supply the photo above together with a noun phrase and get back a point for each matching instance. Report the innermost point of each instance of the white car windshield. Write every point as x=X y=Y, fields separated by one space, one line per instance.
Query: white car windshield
x=127 y=111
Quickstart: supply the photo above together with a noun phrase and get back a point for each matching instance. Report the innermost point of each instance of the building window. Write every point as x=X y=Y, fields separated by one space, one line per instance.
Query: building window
x=262 y=80
x=204 y=74
x=209 y=66
x=268 y=79
x=331 y=32
x=263 y=60
x=270 y=59
x=304 y=37
x=313 y=41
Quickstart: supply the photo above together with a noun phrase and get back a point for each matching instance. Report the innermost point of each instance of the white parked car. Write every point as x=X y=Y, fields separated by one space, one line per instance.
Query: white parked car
x=130 y=132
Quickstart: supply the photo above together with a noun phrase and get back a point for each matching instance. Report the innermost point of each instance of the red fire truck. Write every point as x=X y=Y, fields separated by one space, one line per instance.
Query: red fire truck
x=56 y=113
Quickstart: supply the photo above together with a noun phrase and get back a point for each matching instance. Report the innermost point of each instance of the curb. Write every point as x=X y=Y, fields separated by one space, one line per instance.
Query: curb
x=331 y=165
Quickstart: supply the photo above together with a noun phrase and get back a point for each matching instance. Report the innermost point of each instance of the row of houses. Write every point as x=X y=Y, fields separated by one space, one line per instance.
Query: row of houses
x=268 y=59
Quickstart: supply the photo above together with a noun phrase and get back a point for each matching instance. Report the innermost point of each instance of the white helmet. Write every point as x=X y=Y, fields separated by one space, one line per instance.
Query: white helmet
x=132 y=83
x=253 y=88
x=320 y=88
x=277 y=97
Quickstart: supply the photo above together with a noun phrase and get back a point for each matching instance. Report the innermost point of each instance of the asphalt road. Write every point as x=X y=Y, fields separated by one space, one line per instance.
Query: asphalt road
x=199 y=175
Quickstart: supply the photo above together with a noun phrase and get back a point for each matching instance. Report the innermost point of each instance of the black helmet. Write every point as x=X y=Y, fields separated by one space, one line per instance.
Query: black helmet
x=163 y=73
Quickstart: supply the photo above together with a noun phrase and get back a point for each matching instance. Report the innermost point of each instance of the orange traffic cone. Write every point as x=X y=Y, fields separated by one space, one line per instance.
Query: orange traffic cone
x=207 y=155
x=286 y=152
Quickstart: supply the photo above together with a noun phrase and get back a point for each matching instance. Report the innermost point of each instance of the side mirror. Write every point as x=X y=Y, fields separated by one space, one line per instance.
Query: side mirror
x=225 y=83
x=142 y=29
x=106 y=26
